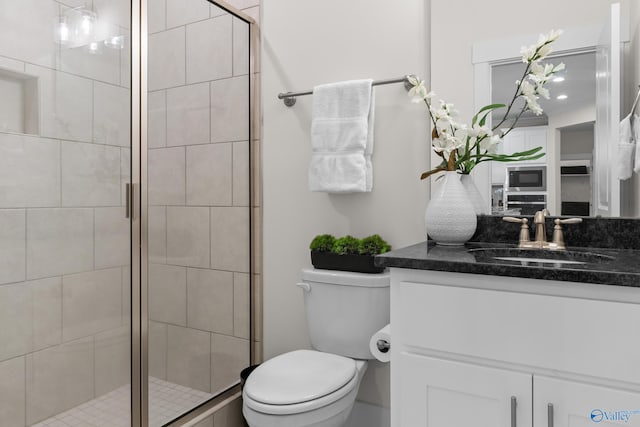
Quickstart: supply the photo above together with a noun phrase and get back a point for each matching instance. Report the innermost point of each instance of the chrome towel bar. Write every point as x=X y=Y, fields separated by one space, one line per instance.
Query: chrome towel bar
x=290 y=97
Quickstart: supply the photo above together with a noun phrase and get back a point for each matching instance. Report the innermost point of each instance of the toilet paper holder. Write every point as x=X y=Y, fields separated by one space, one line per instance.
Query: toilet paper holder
x=383 y=346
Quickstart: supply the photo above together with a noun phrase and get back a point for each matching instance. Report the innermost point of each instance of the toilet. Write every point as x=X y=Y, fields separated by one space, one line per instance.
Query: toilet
x=317 y=388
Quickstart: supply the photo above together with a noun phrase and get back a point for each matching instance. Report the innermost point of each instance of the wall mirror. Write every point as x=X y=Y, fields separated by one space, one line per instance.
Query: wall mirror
x=579 y=127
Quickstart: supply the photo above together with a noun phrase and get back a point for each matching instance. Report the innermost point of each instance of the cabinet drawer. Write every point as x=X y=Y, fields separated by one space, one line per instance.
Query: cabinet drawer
x=596 y=338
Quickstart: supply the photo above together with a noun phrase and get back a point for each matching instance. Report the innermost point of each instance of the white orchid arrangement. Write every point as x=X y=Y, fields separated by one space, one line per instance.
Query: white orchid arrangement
x=462 y=147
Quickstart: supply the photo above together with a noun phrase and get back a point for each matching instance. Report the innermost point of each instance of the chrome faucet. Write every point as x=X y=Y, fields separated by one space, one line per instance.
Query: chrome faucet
x=540 y=241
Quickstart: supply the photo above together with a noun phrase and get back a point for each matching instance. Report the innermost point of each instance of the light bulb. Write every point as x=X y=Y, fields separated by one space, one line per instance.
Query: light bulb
x=561 y=97
x=114 y=42
x=86 y=23
x=558 y=79
x=94 y=48
x=62 y=31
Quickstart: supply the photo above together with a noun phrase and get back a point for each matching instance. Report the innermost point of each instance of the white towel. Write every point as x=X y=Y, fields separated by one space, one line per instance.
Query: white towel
x=635 y=131
x=342 y=137
x=626 y=145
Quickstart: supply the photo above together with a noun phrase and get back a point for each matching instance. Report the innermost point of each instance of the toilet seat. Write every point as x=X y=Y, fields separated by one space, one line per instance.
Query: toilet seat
x=300 y=381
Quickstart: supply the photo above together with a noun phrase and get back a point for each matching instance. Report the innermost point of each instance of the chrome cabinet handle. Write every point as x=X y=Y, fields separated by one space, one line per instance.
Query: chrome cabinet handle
x=514 y=404
x=550 y=415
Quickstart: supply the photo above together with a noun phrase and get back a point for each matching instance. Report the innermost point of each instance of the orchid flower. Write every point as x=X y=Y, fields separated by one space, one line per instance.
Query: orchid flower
x=462 y=147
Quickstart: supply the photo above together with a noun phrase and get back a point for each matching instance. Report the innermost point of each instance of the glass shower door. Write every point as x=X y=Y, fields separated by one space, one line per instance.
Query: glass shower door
x=65 y=150
x=199 y=205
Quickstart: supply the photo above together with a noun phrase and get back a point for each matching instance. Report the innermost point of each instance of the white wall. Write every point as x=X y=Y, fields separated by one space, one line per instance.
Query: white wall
x=310 y=42
x=493 y=20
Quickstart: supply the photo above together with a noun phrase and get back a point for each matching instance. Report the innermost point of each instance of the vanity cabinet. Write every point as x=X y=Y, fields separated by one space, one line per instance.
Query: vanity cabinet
x=473 y=350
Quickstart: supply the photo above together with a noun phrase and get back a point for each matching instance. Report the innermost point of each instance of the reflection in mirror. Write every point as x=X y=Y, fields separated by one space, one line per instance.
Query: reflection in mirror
x=519 y=188
x=471 y=63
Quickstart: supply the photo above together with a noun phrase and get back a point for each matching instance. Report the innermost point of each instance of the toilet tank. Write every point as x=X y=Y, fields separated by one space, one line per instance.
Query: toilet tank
x=344 y=310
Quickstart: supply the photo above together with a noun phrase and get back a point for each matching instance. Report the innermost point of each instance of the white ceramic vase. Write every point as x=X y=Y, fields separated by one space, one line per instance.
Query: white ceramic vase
x=477 y=201
x=450 y=216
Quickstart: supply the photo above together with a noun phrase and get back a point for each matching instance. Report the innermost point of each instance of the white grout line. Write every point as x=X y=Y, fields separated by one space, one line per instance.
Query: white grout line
x=166 y=402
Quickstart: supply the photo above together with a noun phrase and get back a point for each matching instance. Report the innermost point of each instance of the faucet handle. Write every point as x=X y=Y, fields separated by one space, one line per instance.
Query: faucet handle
x=524 y=229
x=514 y=219
x=568 y=221
x=558 y=237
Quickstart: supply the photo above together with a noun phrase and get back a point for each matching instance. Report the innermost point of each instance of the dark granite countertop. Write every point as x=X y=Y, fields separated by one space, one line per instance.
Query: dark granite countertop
x=612 y=261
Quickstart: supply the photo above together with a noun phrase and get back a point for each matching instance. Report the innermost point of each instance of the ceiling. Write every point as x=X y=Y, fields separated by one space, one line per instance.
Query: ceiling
x=579 y=86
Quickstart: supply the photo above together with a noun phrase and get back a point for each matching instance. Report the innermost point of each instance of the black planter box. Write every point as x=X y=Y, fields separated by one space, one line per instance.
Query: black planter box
x=347 y=262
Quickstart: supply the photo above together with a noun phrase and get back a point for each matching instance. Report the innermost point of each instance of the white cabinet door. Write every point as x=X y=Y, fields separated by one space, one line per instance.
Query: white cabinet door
x=582 y=405
x=440 y=393
x=498 y=173
x=536 y=137
x=524 y=139
x=514 y=142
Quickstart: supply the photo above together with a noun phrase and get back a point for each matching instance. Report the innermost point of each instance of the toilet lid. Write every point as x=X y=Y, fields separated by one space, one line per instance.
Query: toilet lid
x=299 y=376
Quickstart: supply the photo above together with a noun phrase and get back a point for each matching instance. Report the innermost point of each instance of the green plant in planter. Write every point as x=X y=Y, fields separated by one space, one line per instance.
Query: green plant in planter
x=373 y=245
x=322 y=243
x=346 y=245
x=347 y=253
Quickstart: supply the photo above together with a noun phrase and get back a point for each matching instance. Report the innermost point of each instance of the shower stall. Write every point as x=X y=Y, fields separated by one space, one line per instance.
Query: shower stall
x=128 y=211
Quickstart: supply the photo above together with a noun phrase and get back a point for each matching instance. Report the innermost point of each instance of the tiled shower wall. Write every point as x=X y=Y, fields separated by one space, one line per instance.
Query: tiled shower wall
x=199 y=225
x=64 y=239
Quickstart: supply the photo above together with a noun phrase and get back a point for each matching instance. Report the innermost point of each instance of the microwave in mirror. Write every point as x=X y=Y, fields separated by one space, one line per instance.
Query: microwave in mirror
x=527 y=178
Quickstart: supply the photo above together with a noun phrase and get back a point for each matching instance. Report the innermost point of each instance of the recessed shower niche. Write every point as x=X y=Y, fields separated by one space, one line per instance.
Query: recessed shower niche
x=19 y=106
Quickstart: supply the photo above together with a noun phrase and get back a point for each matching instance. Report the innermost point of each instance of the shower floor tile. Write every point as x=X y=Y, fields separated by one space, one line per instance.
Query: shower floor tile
x=166 y=401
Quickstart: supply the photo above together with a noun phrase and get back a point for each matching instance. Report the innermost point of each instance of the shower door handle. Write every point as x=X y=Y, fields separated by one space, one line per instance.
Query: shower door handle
x=129 y=200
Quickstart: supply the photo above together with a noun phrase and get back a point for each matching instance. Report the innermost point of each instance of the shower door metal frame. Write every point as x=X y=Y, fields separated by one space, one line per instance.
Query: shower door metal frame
x=139 y=310
x=139 y=217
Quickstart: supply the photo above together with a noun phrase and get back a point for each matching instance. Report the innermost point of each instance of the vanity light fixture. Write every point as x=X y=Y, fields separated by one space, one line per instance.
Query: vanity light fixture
x=75 y=26
x=62 y=31
x=80 y=27
x=561 y=97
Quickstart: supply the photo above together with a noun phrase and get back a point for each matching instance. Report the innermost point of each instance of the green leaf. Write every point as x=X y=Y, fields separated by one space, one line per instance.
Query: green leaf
x=485 y=108
x=483 y=120
x=532 y=154
x=526 y=153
